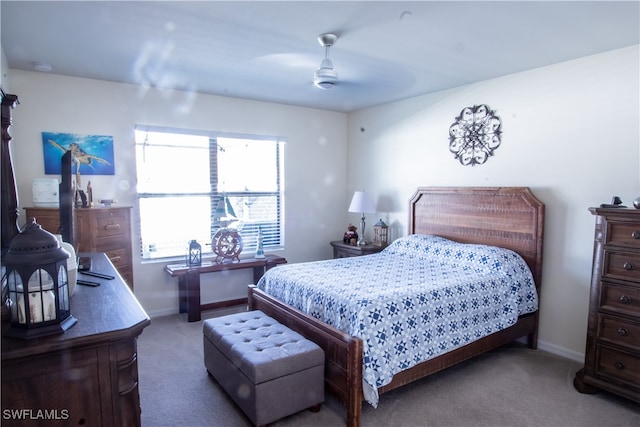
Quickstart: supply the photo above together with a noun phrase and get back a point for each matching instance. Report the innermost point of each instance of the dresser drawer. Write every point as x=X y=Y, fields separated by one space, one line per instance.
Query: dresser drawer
x=111 y=224
x=621 y=265
x=48 y=218
x=618 y=364
x=623 y=299
x=118 y=257
x=619 y=331
x=623 y=234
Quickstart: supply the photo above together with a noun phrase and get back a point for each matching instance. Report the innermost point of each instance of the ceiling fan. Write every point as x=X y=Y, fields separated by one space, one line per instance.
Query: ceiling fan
x=326 y=77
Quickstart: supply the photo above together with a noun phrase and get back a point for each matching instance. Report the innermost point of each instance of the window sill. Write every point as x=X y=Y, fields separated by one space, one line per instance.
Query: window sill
x=206 y=257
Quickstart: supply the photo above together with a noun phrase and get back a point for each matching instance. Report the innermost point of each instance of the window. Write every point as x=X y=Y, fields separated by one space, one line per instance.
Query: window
x=183 y=174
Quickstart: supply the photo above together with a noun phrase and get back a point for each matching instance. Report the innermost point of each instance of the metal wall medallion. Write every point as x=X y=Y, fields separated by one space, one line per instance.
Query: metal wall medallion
x=475 y=135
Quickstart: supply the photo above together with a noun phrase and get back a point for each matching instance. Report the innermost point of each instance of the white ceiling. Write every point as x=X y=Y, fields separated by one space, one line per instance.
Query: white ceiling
x=268 y=50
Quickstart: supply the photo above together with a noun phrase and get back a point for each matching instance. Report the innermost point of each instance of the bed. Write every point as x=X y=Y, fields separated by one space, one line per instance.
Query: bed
x=508 y=217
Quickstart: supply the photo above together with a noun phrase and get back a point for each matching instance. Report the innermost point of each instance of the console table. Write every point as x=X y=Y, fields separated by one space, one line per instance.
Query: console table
x=189 y=281
x=87 y=375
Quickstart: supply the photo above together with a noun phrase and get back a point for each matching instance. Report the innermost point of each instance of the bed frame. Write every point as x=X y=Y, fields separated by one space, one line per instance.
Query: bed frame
x=509 y=217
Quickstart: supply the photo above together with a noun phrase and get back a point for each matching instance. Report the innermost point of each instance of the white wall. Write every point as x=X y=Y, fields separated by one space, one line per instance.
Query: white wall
x=4 y=72
x=571 y=133
x=315 y=161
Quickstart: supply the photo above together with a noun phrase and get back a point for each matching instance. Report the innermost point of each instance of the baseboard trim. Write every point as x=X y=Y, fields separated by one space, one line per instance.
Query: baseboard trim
x=163 y=312
x=204 y=307
x=561 y=351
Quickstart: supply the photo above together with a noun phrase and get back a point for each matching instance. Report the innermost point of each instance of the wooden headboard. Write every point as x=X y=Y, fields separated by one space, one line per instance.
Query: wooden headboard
x=509 y=217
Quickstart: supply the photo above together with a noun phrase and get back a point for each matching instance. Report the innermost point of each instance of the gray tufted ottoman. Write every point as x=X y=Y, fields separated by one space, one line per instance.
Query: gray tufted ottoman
x=269 y=370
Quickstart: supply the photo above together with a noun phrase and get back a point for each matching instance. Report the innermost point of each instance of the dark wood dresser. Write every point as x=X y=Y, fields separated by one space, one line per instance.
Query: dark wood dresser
x=612 y=357
x=97 y=229
x=87 y=375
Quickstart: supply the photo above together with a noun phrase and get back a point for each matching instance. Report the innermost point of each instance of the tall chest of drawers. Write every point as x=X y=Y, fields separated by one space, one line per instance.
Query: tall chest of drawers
x=612 y=357
x=97 y=229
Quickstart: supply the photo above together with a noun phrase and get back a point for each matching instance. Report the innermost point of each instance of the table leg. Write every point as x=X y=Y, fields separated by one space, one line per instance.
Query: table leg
x=192 y=288
x=258 y=272
x=182 y=293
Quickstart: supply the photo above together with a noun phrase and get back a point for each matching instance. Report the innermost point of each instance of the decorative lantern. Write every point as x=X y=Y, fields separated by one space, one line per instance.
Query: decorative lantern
x=36 y=282
x=194 y=257
x=380 y=233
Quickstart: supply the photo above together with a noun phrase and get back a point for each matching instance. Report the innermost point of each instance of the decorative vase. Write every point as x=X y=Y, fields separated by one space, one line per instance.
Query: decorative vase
x=636 y=202
x=72 y=264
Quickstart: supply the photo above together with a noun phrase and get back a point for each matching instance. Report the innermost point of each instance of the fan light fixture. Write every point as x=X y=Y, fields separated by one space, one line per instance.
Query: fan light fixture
x=326 y=76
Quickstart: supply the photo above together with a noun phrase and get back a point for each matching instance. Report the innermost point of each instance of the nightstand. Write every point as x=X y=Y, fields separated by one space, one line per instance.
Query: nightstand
x=344 y=250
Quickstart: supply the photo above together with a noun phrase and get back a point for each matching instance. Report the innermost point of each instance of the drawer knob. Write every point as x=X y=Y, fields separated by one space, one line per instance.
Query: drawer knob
x=636 y=234
x=112 y=227
x=628 y=266
x=623 y=331
x=625 y=299
x=619 y=366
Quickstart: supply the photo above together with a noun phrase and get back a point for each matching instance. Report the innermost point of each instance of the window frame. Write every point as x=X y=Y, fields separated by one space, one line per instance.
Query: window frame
x=274 y=239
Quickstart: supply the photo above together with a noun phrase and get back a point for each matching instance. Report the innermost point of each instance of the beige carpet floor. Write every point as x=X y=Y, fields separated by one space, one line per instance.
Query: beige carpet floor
x=512 y=386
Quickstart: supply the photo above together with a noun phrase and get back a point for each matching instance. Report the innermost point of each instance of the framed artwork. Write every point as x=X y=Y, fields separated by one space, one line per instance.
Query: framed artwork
x=475 y=135
x=94 y=153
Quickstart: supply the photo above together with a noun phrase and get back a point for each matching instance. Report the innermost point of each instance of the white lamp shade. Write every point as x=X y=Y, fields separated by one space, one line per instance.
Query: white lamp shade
x=362 y=202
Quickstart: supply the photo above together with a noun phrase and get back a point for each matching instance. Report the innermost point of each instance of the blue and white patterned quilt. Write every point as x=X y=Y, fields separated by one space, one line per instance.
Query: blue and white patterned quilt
x=420 y=297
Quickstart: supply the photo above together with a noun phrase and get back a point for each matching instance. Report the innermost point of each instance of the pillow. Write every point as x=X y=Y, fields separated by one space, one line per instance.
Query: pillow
x=416 y=245
x=465 y=256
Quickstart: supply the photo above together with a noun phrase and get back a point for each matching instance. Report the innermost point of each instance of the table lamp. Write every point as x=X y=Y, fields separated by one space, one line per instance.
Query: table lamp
x=363 y=203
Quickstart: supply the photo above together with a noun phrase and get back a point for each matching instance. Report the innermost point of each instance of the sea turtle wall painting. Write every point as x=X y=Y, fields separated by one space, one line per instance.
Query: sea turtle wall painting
x=93 y=153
